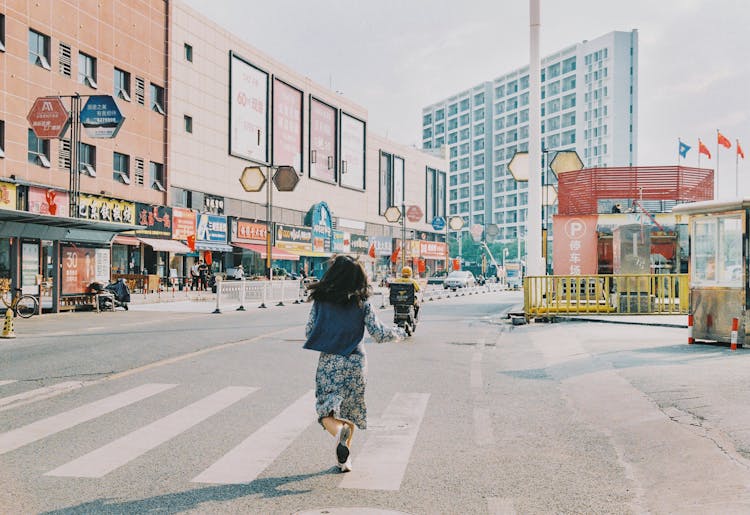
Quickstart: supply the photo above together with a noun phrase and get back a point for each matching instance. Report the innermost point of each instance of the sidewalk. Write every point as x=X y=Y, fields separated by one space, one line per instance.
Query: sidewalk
x=647 y=320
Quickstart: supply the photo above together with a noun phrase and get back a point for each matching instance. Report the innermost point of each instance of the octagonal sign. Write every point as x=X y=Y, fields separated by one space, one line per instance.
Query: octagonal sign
x=285 y=178
x=253 y=178
x=392 y=214
x=48 y=118
x=566 y=161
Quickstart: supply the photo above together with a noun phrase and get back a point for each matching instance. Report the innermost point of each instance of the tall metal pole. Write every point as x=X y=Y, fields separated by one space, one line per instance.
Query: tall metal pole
x=534 y=261
x=75 y=165
x=403 y=234
x=269 y=225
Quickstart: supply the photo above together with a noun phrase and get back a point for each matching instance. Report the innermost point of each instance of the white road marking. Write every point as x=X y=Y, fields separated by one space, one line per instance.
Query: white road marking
x=16 y=438
x=39 y=393
x=104 y=460
x=252 y=456
x=381 y=464
x=8 y=381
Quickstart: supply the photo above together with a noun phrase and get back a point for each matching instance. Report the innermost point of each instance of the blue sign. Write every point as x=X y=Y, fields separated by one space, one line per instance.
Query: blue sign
x=101 y=117
x=438 y=223
x=211 y=228
x=322 y=228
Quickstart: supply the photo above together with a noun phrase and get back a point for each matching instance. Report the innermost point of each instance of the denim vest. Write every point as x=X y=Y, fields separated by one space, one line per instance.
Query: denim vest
x=338 y=328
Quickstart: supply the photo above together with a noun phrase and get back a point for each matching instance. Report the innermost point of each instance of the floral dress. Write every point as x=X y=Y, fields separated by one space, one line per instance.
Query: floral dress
x=340 y=380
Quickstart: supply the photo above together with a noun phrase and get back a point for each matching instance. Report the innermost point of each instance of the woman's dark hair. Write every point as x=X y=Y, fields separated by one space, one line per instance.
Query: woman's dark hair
x=344 y=281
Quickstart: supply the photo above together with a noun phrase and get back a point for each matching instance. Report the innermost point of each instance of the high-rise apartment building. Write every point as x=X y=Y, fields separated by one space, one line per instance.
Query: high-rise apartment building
x=589 y=104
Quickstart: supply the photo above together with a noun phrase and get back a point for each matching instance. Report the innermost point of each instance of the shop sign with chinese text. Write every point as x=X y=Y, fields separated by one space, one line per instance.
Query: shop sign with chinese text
x=8 y=196
x=212 y=228
x=360 y=244
x=432 y=249
x=248 y=232
x=574 y=245
x=157 y=219
x=106 y=209
x=183 y=223
x=292 y=237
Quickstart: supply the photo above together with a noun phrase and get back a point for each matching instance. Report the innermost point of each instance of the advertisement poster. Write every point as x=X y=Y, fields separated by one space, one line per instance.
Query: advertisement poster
x=360 y=244
x=383 y=245
x=352 y=152
x=102 y=266
x=433 y=249
x=287 y=126
x=322 y=228
x=248 y=111
x=45 y=201
x=398 y=181
x=212 y=228
x=575 y=245
x=79 y=269
x=30 y=268
x=292 y=237
x=8 y=196
x=322 y=141
x=183 y=223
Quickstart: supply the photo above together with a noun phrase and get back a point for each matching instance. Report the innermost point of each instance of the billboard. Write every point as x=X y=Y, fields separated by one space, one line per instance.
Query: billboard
x=248 y=110
x=287 y=126
x=352 y=152
x=575 y=245
x=322 y=141
x=81 y=266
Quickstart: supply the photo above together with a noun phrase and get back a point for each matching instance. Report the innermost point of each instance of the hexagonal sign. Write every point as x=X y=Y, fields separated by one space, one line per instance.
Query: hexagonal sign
x=285 y=178
x=253 y=178
x=491 y=232
x=392 y=214
x=48 y=118
x=566 y=161
x=519 y=166
x=549 y=195
x=456 y=223
x=101 y=117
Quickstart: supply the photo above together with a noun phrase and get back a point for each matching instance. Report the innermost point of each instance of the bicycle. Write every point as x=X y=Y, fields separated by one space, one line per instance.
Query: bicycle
x=22 y=305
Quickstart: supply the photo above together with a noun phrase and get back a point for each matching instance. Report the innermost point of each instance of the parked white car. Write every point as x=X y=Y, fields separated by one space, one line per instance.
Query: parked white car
x=459 y=279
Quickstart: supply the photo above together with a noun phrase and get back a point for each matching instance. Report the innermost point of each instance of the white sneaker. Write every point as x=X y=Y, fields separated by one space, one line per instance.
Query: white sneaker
x=346 y=466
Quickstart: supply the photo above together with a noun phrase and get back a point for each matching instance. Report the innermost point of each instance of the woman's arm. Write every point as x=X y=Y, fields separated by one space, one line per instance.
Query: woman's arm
x=377 y=330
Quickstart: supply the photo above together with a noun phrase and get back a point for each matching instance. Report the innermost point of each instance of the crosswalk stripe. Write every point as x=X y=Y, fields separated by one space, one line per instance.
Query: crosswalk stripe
x=381 y=464
x=104 y=460
x=16 y=438
x=8 y=381
x=250 y=458
x=40 y=393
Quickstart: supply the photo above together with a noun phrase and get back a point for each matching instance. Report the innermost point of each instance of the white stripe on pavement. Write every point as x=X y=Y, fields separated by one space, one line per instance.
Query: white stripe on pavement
x=104 y=460
x=40 y=393
x=16 y=438
x=8 y=381
x=250 y=458
x=381 y=464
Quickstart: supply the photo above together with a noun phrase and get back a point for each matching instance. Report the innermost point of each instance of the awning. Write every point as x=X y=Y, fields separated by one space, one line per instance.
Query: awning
x=213 y=246
x=173 y=246
x=276 y=253
x=311 y=253
x=122 y=239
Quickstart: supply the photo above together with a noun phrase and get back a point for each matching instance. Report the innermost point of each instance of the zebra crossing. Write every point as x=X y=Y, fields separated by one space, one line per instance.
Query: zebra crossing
x=383 y=457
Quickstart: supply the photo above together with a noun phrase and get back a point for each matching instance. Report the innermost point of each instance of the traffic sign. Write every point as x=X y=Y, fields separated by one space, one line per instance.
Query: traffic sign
x=285 y=178
x=566 y=161
x=491 y=232
x=48 y=118
x=392 y=214
x=252 y=179
x=519 y=166
x=438 y=223
x=456 y=223
x=476 y=231
x=101 y=117
x=414 y=213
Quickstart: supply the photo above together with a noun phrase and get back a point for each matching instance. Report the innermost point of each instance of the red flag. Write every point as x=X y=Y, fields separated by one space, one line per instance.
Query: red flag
x=394 y=254
x=191 y=242
x=456 y=264
x=739 y=150
x=703 y=149
x=371 y=252
x=723 y=141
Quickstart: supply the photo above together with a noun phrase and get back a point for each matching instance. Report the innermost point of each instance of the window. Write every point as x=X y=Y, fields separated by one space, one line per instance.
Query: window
x=121 y=168
x=391 y=181
x=65 y=63
x=140 y=90
x=156 y=176
x=189 y=124
x=439 y=114
x=38 y=152
x=87 y=70
x=479 y=114
x=465 y=104
x=39 y=49
x=717 y=251
x=122 y=84
x=157 y=99
x=568 y=65
x=87 y=159
x=427 y=119
x=464 y=119
x=2 y=138
x=435 y=193
x=479 y=99
x=189 y=52
x=2 y=33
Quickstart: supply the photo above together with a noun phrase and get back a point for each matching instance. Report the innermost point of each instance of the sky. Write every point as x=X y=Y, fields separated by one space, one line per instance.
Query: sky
x=395 y=57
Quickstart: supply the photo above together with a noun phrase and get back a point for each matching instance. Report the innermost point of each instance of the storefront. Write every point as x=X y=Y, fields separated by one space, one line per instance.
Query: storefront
x=157 y=245
x=211 y=245
x=251 y=239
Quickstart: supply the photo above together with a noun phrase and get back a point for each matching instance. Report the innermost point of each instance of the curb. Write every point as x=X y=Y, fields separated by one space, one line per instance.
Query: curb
x=620 y=322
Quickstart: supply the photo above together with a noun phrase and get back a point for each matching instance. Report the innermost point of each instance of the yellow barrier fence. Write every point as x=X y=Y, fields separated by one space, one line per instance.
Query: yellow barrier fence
x=606 y=294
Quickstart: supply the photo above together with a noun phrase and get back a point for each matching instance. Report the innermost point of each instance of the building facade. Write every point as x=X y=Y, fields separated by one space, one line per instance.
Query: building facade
x=589 y=104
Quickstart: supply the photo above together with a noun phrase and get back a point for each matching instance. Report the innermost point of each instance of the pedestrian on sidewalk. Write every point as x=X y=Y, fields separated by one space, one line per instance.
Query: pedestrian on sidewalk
x=338 y=318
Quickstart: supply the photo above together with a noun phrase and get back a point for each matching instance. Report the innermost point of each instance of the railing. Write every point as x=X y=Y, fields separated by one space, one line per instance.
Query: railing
x=606 y=294
x=242 y=293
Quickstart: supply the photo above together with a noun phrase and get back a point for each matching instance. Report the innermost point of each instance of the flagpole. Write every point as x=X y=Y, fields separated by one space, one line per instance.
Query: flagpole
x=699 y=152
x=679 y=147
x=716 y=196
x=737 y=170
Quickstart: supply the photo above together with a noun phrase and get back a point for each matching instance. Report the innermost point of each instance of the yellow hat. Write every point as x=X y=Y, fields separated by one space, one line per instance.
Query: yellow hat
x=406 y=271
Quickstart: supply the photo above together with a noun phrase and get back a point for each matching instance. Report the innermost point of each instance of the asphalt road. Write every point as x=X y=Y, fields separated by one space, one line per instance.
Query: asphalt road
x=173 y=411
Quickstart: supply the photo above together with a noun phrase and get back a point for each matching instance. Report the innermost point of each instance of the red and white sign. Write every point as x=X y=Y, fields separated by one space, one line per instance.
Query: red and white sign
x=249 y=232
x=183 y=223
x=287 y=126
x=414 y=213
x=45 y=201
x=248 y=111
x=575 y=245
x=48 y=118
x=433 y=249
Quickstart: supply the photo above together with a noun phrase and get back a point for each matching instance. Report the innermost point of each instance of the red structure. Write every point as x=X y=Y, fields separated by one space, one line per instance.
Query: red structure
x=579 y=192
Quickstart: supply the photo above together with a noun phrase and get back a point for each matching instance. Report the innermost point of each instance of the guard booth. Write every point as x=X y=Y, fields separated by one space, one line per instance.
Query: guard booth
x=718 y=268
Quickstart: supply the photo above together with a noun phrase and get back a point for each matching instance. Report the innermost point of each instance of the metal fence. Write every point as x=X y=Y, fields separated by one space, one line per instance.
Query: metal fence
x=240 y=294
x=606 y=294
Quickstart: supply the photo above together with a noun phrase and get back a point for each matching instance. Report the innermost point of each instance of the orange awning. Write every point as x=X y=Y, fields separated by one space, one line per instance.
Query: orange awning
x=276 y=253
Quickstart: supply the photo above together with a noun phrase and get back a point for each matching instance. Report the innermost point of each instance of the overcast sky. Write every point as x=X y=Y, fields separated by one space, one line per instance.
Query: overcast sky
x=396 y=56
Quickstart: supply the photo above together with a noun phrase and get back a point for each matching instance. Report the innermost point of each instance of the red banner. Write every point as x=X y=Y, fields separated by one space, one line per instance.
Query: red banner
x=183 y=223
